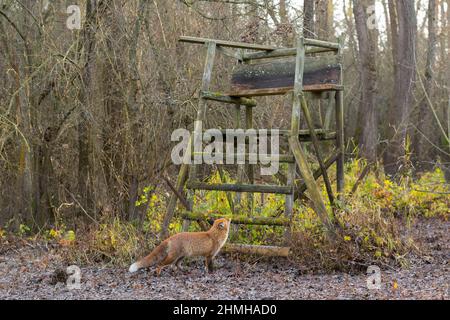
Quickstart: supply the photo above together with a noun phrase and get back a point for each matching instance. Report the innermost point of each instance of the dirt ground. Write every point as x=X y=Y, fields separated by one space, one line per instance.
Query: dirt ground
x=30 y=272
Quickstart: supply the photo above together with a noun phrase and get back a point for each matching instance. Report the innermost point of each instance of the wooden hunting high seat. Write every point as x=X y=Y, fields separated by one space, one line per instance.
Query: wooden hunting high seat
x=264 y=71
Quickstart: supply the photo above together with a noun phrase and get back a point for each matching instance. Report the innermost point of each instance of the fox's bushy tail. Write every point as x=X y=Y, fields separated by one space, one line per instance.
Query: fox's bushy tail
x=155 y=257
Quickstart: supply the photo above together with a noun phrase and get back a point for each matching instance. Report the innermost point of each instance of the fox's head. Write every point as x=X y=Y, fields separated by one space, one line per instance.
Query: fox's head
x=222 y=224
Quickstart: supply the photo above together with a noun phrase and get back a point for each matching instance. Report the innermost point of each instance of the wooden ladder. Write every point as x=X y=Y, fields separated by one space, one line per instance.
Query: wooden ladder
x=296 y=81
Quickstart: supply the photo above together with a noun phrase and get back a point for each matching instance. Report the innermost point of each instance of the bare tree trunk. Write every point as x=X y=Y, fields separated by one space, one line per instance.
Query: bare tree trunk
x=26 y=204
x=388 y=24
x=393 y=32
x=252 y=33
x=84 y=127
x=404 y=46
x=446 y=44
x=283 y=12
x=133 y=110
x=308 y=19
x=421 y=146
x=324 y=19
x=367 y=39
x=285 y=26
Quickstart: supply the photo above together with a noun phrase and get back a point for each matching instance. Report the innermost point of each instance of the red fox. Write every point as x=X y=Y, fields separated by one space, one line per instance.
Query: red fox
x=187 y=244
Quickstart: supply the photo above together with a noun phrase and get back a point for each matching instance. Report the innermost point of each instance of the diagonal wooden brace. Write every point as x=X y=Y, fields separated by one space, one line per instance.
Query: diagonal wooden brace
x=313 y=188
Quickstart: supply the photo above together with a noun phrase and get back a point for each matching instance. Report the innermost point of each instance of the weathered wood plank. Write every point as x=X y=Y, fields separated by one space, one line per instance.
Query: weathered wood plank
x=231 y=44
x=216 y=96
x=303 y=135
x=281 y=73
x=322 y=44
x=283 y=90
x=236 y=54
x=268 y=251
x=278 y=53
x=246 y=157
x=284 y=132
x=240 y=187
x=237 y=219
x=244 y=45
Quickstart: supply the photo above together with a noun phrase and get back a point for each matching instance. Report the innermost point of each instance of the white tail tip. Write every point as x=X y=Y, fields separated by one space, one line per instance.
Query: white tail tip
x=134 y=267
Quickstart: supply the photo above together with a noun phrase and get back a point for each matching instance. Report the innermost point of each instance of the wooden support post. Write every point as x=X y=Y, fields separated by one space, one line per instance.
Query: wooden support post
x=181 y=180
x=187 y=205
x=228 y=195
x=329 y=111
x=340 y=143
x=340 y=130
x=249 y=167
x=179 y=195
x=202 y=103
x=240 y=171
x=289 y=200
x=317 y=173
x=201 y=115
x=311 y=184
x=294 y=143
x=295 y=125
x=316 y=146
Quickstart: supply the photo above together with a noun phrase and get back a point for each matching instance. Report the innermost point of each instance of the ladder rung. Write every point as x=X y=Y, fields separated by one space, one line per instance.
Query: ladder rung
x=240 y=187
x=269 y=251
x=303 y=135
x=271 y=221
x=246 y=156
x=217 y=96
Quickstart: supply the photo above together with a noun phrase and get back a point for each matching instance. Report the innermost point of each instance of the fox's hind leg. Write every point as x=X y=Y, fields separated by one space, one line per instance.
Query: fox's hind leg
x=166 y=262
x=178 y=263
x=159 y=269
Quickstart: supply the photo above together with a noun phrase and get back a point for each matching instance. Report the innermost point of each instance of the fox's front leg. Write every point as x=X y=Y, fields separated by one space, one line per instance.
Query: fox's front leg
x=158 y=270
x=209 y=266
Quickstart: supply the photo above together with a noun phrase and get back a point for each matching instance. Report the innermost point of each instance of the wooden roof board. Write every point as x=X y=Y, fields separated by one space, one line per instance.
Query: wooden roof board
x=278 y=75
